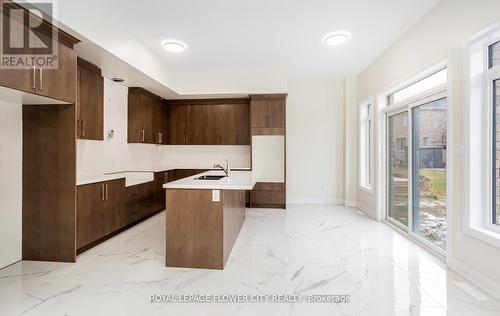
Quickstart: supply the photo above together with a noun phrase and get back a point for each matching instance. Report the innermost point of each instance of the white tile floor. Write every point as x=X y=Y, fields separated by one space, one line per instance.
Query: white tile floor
x=305 y=250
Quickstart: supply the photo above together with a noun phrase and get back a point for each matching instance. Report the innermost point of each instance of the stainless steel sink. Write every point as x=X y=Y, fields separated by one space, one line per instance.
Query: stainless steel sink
x=210 y=177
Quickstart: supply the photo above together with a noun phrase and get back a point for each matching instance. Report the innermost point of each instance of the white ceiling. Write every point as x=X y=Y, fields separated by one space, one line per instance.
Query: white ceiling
x=241 y=37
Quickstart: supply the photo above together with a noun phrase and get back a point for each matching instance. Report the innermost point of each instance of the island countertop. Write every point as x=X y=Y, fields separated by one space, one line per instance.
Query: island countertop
x=237 y=180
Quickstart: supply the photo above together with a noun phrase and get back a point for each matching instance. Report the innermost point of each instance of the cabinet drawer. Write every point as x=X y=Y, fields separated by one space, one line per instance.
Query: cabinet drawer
x=267 y=197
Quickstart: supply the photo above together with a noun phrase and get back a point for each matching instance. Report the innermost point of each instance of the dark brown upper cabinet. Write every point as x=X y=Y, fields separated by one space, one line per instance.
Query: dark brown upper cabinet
x=143 y=106
x=90 y=102
x=242 y=124
x=160 y=122
x=268 y=114
x=194 y=124
x=210 y=122
x=177 y=124
x=57 y=81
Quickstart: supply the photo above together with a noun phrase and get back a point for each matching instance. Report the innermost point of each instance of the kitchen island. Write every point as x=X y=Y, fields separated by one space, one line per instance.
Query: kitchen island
x=204 y=218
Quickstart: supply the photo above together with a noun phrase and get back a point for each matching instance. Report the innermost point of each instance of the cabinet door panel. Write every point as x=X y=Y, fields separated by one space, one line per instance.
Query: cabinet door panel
x=276 y=114
x=259 y=113
x=90 y=104
x=210 y=124
x=89 y=214
x=165 y=114
x=177 y=125
x=134 y=119
x=194 y=124
x=58 y=83
x=227 y=124
x=147 y=117
x=243 y=124
x=18 y=79
x=114 y=211
x=158 y=121
x=160 y=179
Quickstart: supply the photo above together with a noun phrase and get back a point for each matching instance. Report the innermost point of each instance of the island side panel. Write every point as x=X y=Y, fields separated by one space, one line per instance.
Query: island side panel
x=234 y=216
x=194 y=229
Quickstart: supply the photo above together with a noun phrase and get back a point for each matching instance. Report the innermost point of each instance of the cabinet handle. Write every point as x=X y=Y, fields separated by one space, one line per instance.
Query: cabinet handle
x=142 y=135
x=41 y=78
x=34 y=77
x=83 y=127
x=185 y=139
x=106 y=194
x=159 y=138
x=102 y=192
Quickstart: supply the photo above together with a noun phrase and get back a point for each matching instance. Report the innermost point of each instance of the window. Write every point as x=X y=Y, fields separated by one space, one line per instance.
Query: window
x=482 y=136
x=434 y=80
x=496 y=153
x=414 y=159
x=366 y=145
x=494 y=55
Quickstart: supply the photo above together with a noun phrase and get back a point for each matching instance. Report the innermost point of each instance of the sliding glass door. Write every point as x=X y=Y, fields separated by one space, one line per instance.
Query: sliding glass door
x=416 y=170
x=429 y=171
x=397 y=131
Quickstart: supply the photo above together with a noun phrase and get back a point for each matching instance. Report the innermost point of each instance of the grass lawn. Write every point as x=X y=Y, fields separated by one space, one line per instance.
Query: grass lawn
x=437 y=179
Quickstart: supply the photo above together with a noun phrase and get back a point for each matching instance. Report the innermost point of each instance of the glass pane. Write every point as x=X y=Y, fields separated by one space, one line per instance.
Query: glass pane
x=429 y=171
x=398 y=168
x=423 y=85
x=494 y=55
x=496 y=153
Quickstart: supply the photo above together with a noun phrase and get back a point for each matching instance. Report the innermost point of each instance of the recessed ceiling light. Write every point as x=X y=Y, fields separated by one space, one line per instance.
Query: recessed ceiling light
x=174 y=46
x=337 y=38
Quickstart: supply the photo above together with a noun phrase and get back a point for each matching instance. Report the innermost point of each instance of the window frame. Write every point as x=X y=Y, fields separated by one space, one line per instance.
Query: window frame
x=491 y=75
x=478 y=109
x=366 y=131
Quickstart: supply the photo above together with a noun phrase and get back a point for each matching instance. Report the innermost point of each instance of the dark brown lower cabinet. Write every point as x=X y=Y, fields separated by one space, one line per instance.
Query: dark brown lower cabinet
x=160 y=179
x=100 y=210
x=268 y=195
x=140 y=201
x=114 y=210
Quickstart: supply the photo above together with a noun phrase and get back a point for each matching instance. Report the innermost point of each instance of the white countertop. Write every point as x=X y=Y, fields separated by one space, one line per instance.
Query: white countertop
x=132 y=175
x=237 y=180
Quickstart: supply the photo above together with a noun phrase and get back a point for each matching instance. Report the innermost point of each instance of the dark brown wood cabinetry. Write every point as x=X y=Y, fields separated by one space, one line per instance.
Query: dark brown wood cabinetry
x=268 y=114
x=56 y=77
x=161 y=115
x=114 y=206
x=90 y=102
x=58 y=82
x=268 y=117
x=49 y=183
x=194 y=124
x=268 y=195
x=147 y=118
x=100 y=210
x=210 y=122
x=177 y=124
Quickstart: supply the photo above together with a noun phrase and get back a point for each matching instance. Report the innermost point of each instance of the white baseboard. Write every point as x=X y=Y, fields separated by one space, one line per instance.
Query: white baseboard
x=350 y=203
x=315 y=201
x=367 y=210
x=478 y=279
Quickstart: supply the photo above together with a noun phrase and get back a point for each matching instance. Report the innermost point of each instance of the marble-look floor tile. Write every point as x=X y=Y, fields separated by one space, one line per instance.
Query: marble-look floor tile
x=305 y=250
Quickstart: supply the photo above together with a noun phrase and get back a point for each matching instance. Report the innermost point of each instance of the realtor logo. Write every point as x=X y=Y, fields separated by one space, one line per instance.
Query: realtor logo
x=28 y=38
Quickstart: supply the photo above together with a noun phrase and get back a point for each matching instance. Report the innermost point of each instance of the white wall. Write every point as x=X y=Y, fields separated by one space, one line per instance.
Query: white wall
x=315 y=141
x=11 y=172
x=437 y=36
x=115 y=154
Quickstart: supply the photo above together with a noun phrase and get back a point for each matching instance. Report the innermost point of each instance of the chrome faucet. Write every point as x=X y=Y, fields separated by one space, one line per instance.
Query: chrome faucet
x=226 y=170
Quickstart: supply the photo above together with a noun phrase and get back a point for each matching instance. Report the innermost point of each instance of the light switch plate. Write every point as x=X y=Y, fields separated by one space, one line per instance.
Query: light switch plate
x=215 y=195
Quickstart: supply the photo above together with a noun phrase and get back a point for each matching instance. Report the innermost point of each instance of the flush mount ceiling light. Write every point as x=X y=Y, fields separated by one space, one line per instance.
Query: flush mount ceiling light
x=337 y=38
x=174 y=46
